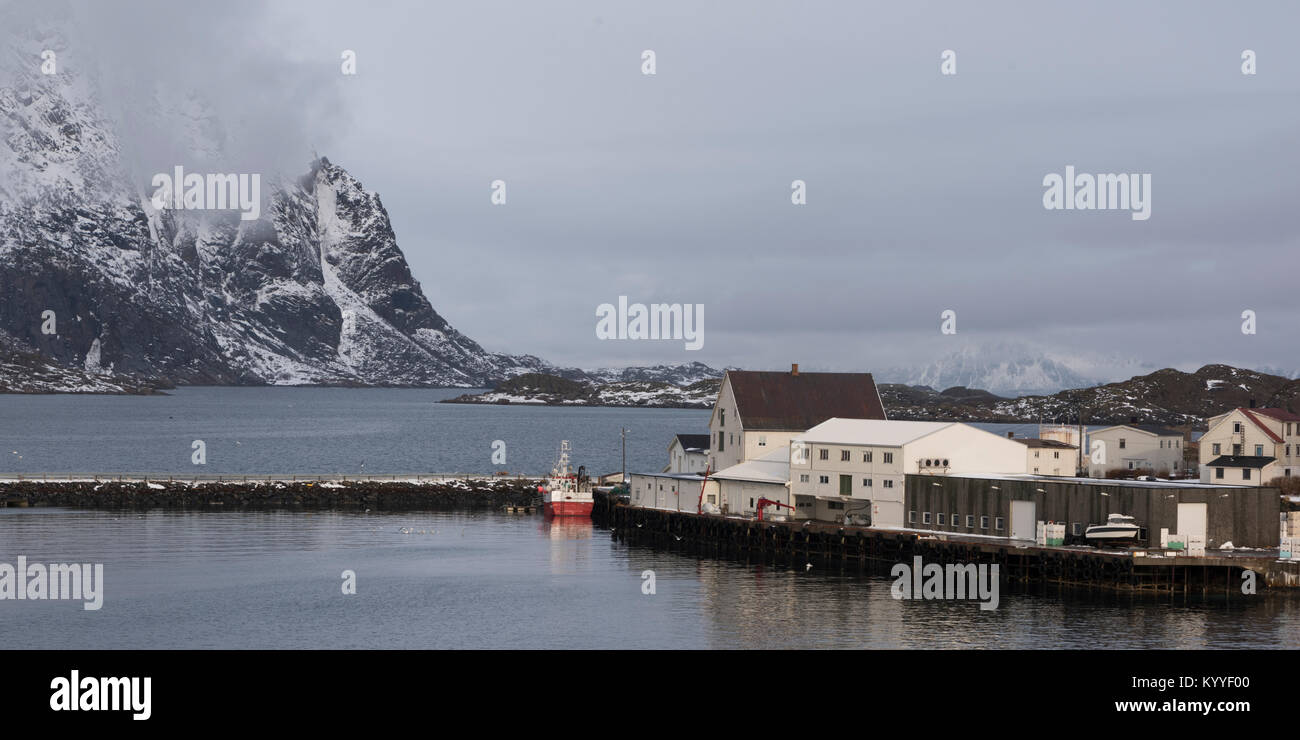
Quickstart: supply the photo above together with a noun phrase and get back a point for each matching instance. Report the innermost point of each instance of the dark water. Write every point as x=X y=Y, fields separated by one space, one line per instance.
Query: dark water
x=321 y=430
x=273 y=580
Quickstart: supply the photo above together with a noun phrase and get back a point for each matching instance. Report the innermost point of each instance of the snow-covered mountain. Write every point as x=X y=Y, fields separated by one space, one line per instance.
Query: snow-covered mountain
x=1007 y=369
x=316 y=290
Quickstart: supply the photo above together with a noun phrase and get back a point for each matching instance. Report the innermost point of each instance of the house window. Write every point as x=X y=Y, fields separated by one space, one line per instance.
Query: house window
x=866 y=483
x=844 y=455
x=911 y=517
x=721 y=446
x=1245 y=473
x=823 y=454
x=866 y=457
x=1259 y=450
x=1236 y=427
x=984 y=522
x=1217 y=449
x=762 y=440
x=940 y=518
x=836 y=505
x=999 y=524
x=1035 y=469
x=823 y=479
x=889 y=483
x=1218 y=472
x=925 y=518
x=1056 y=455
x=970 y=521
x=1035 y=453
x=1122 y=443
x=889 y=457
x=1076 y=529
x=803 y=478
x=751 y=503
x=722 y=417
x=945 y=462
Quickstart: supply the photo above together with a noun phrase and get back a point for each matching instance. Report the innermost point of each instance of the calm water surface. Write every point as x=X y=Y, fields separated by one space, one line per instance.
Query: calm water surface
x=273 y=580
x=322 y=430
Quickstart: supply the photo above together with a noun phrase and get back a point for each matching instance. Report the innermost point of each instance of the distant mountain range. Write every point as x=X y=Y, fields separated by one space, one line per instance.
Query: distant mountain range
x=1168 y=397
x=1014 y=369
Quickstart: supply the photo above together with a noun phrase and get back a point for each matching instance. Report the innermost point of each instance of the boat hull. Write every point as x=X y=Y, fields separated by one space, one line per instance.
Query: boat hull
x=1110 y=534
x=567 y=508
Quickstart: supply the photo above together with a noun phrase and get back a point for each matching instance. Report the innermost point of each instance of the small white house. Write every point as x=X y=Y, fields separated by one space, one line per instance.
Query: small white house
x=857 y=467
x=1135 y=447
x=1250 y=446
x=688 y=453
x=1049 y=457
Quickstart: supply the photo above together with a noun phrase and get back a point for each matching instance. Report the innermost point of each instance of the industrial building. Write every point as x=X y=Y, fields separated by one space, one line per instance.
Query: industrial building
x=1011 y=505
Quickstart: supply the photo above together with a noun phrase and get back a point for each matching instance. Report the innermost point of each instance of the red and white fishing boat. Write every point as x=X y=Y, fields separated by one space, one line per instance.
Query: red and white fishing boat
x=566 y=493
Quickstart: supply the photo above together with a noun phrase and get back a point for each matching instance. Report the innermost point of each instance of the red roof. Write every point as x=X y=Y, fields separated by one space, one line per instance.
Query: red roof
x=1279 y=414
x=788 y=402
x=1250 y=414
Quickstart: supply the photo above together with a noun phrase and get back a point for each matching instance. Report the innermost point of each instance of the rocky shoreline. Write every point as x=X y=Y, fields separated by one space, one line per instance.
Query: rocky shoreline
x=269 y=495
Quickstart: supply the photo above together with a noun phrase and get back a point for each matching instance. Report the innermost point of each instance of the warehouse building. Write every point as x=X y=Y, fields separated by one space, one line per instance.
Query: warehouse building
x=1012 y=505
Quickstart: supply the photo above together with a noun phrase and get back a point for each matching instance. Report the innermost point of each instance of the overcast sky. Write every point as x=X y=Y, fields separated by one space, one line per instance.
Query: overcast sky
x=924 y=191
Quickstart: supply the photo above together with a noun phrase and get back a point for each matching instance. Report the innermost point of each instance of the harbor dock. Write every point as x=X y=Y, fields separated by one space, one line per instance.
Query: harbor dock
x=826 y=546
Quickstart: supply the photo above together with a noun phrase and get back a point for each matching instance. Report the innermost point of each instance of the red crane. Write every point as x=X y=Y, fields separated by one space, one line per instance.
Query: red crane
x=699 y=505
x=763 y=503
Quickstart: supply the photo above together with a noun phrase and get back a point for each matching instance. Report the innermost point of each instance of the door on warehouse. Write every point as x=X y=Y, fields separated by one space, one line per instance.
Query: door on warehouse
x=1192 y=519
x=1023 y=524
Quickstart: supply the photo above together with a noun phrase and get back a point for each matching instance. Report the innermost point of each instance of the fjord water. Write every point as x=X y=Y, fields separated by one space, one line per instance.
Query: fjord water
x=468 y=580
x=491 y=580
x=352 y=431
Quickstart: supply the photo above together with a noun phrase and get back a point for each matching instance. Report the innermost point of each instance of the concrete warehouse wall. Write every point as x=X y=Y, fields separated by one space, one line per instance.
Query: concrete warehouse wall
x=1247 y=517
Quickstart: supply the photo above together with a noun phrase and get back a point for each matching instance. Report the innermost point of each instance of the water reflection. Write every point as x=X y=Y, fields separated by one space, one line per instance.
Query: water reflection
x=489 y=580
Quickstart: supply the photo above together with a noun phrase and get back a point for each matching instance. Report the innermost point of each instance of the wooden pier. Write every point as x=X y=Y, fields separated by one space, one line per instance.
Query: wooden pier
x=806 y=545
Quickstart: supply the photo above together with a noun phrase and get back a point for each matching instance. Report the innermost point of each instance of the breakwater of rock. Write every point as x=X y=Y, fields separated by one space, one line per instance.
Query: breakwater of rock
x=305 y=495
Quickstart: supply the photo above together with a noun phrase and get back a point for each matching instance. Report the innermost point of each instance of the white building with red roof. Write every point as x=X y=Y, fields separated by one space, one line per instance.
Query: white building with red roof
x=1250 y=446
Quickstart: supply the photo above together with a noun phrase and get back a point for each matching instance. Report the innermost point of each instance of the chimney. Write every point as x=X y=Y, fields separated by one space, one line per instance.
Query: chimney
x=1011 y=435
x=794 y=370
x=1252 y=401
